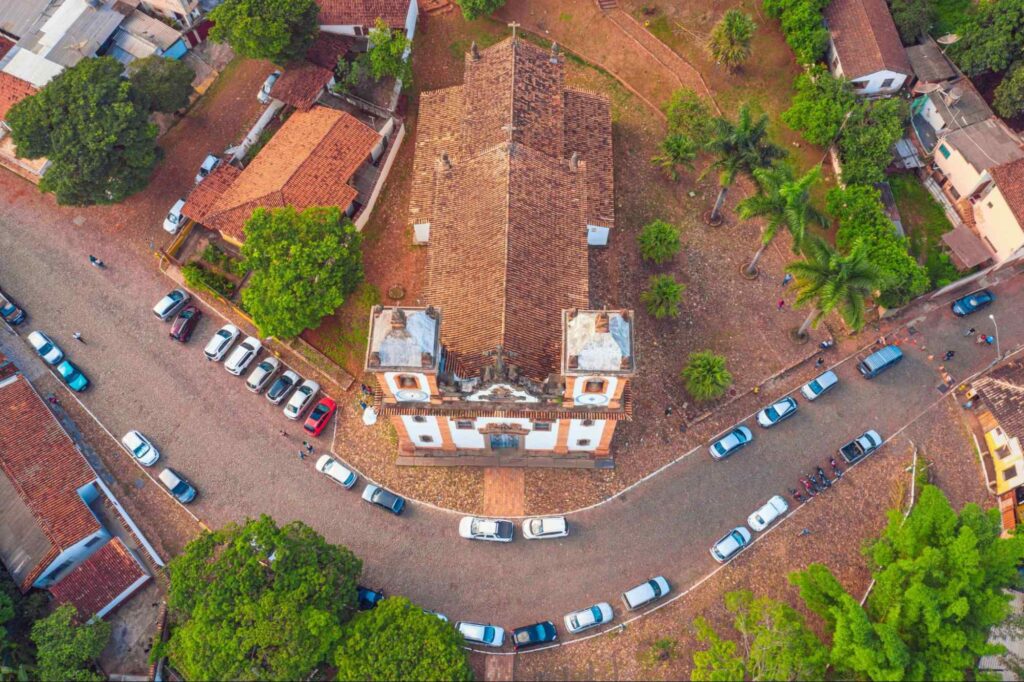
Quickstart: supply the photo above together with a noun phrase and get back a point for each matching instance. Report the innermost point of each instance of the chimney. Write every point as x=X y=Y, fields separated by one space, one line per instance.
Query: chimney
x=398 y=319
x=446 y=161
x=601 y=322
x=374 y=359
x=574 y=161
x=474 y=52
x=426 y=359
x=573 y=313
x=554 y=53
x=431 y=312
x=625 y=362
x=574 y=362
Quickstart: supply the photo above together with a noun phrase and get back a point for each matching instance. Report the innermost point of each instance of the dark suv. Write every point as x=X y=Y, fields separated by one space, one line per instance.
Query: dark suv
x=185 y=323
x=532 y=635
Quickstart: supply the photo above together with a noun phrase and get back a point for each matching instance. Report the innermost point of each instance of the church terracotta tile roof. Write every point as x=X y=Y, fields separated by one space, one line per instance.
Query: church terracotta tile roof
x=44 y=468
x=1009 y=178
x=95 y=586
x=300 y=85
x=508 y=210
x=363 y=12
x=204 y=195
x=12 y=91
x=327 y=47
x=866 y=38
x=308 y=162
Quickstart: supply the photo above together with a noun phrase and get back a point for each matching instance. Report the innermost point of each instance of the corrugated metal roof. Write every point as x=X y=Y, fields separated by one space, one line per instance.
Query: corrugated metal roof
x=18 y=16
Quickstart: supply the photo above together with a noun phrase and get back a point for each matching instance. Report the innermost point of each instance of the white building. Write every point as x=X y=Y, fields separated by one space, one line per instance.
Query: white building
x=864 y=47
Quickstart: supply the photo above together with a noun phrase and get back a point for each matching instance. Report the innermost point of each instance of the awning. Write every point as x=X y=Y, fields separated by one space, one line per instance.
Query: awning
x=968 y=249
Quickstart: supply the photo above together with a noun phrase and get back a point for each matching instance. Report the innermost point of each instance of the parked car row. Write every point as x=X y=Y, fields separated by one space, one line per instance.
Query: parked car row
x=374 y=494
x=501 y=530
x=52 y=355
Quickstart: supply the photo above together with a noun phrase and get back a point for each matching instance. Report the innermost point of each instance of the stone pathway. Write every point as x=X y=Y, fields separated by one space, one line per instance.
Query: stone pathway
x=504 y=492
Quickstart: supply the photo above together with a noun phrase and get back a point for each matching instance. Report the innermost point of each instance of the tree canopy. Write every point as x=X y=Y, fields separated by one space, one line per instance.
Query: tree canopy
x=164 y=83
x=304 y=265
x=819 y=106
x=66 y=649
x=729 y=43
x=472 y=9
x=259 y=602
x=659 y=241
x=663 y=296
x=865 y=145
x=387 y=53
x=802 y=25
x=93 y=126
x=397 y=640
x=1009 y=100
x=689 y=114
x=913 y=18
x=990 y=39
x=276 y=30
x=827 y=280
x=706 y=376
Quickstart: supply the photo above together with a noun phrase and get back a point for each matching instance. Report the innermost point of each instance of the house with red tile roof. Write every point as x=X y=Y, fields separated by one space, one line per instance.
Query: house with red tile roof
x=999 y=210
x=357 y=17
x=12 y=91
x=507 y=364
x=61 y=528
x=865 y=48
x=320 y=157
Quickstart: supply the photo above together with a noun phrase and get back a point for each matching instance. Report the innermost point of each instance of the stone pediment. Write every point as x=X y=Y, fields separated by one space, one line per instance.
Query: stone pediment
x=502 y=393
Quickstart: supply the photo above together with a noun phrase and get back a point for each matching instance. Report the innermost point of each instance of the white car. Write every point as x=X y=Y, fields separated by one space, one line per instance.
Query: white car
x=478 y=633
x=174 y=219
x=261 y=376
x=264 y=94
x=540 y=528
x=174 y=301
x=815 y=387
x=776 y=412
x=773 y=509
x=328 y=466
x=218 y=345
x=140 y=448
x=47 y=349
x=494 y=530
x=578 y=621
x=301 y=399
x=243 y=355
x=731 y=544
x=646 y=592
x=209 y=163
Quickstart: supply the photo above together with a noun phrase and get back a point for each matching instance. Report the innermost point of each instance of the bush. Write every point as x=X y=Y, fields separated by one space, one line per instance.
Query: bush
x=730 y=39
x=990 y=37
x=819 y=106
x=471 y=9
x=198 y=277
x=865 y=145
x=706 y=376
x=165 y=83
x=689 y=114
x=277 y=30
x=802 y=25
x=913 y=18
x=1009 y=101
x=663 y=296
x=659 y=241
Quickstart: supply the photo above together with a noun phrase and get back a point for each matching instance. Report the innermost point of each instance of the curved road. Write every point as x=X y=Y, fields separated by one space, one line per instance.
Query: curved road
x=226 y=440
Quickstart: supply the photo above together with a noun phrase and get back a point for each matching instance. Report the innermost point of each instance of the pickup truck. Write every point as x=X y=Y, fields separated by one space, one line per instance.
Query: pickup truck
x=861 y=447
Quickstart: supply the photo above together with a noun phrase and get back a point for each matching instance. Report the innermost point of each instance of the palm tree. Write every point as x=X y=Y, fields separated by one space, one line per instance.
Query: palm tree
x=706 y=376
x=730 y=39
x=784 y=202
x=676 y=150
x=663 y=296
x=829 y=280
x=741 y=147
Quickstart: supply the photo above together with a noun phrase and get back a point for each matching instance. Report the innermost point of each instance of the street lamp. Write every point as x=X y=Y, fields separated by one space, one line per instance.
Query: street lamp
x=999 y=353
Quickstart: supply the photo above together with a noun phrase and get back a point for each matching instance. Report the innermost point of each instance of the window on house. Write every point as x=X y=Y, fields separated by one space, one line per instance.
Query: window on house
x=542 y=426
x=408 y=381
x=93 y=541
x=952 y=190
x=420 y=419
x=426 y=439
x=583 y=442
x=57 y=570
x=860 y=85
x=887 y=83
x=587 y=422
x=594 y=386
x=944 y=150
x=464 y=424
x=989 y=204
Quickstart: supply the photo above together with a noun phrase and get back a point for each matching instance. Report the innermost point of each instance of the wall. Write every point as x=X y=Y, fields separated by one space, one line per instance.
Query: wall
x=961 y=174
x=577 y=432
x=428 y=427
x=931 y=114
x=342 y=29
x=76 y=554
x=874 y=83
x=391 y=382
x=392 y=152
x=611 y=383
x=998 y=224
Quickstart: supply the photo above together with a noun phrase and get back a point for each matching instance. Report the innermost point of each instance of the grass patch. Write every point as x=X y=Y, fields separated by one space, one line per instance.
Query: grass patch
x=565 y=16
x=216 y=257
x=949 y=15
x=198 y=277
x=353 y=334
x=925 y=223
x=481 y=31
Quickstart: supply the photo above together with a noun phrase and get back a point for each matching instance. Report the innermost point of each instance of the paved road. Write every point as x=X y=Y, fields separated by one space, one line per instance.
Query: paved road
x=225 y=439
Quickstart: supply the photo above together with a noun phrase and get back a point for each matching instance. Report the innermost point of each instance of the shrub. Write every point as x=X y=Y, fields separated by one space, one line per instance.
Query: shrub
x=802 y=25
x=663 y=296
x=659 y=241
x=819 y=106
x=865 y=144
x=1009 y=101
x=730 y=39
x=706 y=376
x=471 y=9
x=689 y=114
x=198 y=277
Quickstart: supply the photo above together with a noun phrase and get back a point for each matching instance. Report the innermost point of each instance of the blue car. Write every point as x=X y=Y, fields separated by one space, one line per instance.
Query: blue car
x=972 y=303
x=72 y=376
x=730 y=442
x=10 y=312
x=532 y=635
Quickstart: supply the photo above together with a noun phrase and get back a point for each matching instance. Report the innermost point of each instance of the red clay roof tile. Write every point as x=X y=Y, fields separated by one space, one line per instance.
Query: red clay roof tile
x=12 y=91
x=363 y=12
x=1009 y=178
x=866 y=38
x=99 y=580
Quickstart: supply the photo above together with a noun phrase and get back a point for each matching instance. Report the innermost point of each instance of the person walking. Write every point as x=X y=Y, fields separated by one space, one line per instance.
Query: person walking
x=309 y=448
x=97 y=262
x=77 y=336
x=302 y=455
x=950 y=354
x=820 y=362
x=787 y=279
x=283 y=433
x=668 y=411
x=781 y=304
x=970 y=332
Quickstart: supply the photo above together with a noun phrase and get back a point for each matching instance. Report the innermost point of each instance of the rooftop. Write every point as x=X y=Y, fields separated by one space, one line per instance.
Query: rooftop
x=929 y=63
x=598 y=341
x=960 y=104
x=865 y=38
x=300 y=85
x=12 y=91
x=1002 y=390
x=363 y=12
x=985 y=145
x=403 y=337
x=97 y=585
x=1009 y=178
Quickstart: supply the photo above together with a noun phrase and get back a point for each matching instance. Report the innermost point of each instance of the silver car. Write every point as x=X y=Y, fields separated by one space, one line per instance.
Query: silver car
x=592 y=616
x=174 y=301
x=820 y=384
x=260 y=377
x=479 y=633
x=776 y=412
x=264 y=94
x=301 y=399
x=282 y=386
x=731 y=544
x=730 y=442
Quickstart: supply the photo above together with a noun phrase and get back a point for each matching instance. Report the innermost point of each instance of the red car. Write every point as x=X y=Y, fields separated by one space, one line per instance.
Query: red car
x=185 y=323
x=321 y=414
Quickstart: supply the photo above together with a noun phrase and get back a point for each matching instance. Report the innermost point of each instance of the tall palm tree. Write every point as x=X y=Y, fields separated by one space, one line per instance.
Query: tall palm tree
x=729 y=43
x=784 y=202
x=740 y=147
x=829 y=280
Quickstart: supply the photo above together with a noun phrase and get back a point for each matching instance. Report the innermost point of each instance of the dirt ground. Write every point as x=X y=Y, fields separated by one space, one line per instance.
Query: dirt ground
x=865 y=494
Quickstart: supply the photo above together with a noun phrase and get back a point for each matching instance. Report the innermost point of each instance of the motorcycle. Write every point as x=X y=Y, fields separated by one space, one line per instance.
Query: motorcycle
x=836 y=471
x=824 y=479
x=808 y=486
x=796 y=495
x=825 y=345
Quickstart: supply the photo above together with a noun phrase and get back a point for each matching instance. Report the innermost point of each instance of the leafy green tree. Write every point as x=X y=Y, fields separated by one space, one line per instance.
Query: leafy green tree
x=740 y=147
x=397 y=640
x=677 y=151
x=706 y=376
x=990 y=39
x=165 y=83
x=820 y=105
x=784 y=202
x=659 y=241
x=351 y=73
x=828 y=280
x=66 y=649
x=802 y=25
x=913 y=18
x=862 y=220
x=94 y=128
x=865 y=145
x=663 y=296
x=388 y=54
x=729 y=43
x=259 y=602
x=688 y=114
x=1009 y=101
x=303 y=264
x=471 y=9
x=776 y=644
x=277 y=30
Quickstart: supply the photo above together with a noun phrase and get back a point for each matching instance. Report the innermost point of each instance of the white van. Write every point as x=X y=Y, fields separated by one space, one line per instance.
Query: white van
x=645 y=593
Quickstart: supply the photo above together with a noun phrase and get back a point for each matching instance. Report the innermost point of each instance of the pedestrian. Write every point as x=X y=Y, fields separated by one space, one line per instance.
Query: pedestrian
x=305 y=445
x=970 y=332
x=363 y=405
x=302 y=455
x=97 y=262
x=980 y=340
x=787 y=279
x=77 y=336
x=283 y=433
x=820 y=362
x=668 y=410
x=989 y=340
x=309 y=448
x=805 y=531
x=950 y=354
x=781 y=304
x=682 y=427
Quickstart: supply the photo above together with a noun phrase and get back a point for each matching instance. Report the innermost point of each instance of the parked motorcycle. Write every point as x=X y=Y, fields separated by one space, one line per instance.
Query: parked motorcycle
x=838 y=472
x=825 y=482
x=808 y=486
x=796 y=495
